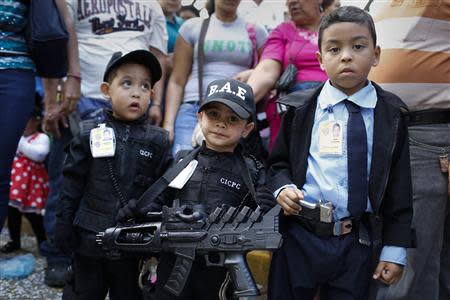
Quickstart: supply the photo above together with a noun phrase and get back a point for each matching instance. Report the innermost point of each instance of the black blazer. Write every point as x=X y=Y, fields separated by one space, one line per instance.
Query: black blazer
x=390 y=188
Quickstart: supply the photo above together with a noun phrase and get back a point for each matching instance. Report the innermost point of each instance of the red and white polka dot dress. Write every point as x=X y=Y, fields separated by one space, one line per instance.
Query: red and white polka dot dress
x=29 y=183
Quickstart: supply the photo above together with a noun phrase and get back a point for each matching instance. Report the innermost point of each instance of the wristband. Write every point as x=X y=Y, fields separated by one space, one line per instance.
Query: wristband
x=77 y=77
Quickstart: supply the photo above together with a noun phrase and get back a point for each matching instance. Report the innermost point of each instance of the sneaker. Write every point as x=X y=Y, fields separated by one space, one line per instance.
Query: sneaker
x=55 y=275
x=10 y=247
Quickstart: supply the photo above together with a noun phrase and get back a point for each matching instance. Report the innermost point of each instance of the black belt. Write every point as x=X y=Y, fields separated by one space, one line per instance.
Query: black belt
x=425 y=117
x=326 y=230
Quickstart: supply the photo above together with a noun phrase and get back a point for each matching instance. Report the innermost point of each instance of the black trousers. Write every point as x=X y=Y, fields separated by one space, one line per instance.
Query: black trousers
x=15 y=224
x=339 y=266
x=94 y=277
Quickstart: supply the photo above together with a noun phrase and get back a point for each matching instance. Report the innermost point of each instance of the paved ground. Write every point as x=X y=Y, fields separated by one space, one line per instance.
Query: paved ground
x=33 y=286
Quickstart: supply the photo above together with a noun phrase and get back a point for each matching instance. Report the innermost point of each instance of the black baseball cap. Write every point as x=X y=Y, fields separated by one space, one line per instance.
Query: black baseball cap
x=238 y=96
x=141 y=57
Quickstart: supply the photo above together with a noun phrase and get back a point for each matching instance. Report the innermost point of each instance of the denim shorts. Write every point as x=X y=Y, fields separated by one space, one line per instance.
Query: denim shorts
x=184 y=126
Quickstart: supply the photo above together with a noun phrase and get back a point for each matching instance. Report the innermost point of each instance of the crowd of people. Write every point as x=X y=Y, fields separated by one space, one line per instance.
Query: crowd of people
x=356 y=130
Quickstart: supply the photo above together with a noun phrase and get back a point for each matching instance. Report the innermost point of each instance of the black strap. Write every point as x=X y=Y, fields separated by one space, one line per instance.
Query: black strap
x=246 y=176
x=161 y=184
x=201 y=57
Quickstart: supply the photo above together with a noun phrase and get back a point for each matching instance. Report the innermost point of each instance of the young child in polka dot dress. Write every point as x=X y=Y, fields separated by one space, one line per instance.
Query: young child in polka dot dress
x=29 y=182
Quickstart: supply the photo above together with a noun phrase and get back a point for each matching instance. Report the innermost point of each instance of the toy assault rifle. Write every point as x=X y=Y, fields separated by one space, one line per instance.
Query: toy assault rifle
x=186 y=232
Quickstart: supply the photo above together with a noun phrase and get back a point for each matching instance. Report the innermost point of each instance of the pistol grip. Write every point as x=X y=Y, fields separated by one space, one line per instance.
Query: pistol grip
x=242 y=278
x=180 y=272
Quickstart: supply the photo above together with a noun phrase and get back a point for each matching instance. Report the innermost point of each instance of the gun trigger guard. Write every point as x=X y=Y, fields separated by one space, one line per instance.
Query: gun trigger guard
x=220 y=262
x=195 y=216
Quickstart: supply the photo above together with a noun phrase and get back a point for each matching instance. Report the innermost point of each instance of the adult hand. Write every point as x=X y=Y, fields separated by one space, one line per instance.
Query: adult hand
x=53 y=118
x=388 y=272
x=155 y=115
x=289 y=199
x=244 y=75
x=170 y=129
x=71 y=94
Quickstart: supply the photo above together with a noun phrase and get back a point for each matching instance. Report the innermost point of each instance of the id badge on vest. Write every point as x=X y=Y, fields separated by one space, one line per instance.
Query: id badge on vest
x=102 y=141
x=330 y=138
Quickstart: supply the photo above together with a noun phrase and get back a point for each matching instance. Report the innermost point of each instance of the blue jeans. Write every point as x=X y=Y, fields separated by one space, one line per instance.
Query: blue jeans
x=87 y=108
x=427 y=273
x=16 y=104
x=184 y=126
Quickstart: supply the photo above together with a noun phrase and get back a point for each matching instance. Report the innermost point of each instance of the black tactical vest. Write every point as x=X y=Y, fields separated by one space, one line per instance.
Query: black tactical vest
x=218 y=179
x=112 y=181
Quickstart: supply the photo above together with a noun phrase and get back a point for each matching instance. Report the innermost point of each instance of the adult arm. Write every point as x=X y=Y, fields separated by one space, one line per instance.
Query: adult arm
x=54 y=113
x=263 y=78
x=270 y=67
x=182 y=61
x=158 y=46
x=71 y=88
x=155 y=113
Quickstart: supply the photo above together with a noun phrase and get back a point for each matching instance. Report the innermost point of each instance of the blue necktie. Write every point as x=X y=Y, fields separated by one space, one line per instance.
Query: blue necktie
x=357 y=161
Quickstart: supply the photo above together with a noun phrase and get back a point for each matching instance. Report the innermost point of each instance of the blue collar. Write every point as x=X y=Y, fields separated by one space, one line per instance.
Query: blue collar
x=365 y=97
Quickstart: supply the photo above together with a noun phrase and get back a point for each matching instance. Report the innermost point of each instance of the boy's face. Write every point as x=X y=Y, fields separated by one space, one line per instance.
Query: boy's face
x=222 y=128
x=347 y=55
x=130 y=91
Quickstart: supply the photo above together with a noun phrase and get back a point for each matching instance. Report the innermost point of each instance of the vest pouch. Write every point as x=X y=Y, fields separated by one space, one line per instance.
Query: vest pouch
x=92 y=220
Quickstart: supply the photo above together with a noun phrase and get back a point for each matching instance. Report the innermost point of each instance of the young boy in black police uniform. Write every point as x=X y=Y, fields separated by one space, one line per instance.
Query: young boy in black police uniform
x=331 y=189
x=107 y=165
x=217 y=178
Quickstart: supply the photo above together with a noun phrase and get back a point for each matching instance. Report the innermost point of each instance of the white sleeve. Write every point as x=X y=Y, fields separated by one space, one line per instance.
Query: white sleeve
x=37 y=149
x=278 y=191
x=190 y=31
x=159 y=37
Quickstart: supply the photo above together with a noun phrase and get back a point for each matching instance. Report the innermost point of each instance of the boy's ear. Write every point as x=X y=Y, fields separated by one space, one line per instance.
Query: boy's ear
x=377 y=53
x=319 y=58
x=199 y=116
x=248 y=128
x=104 y=88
